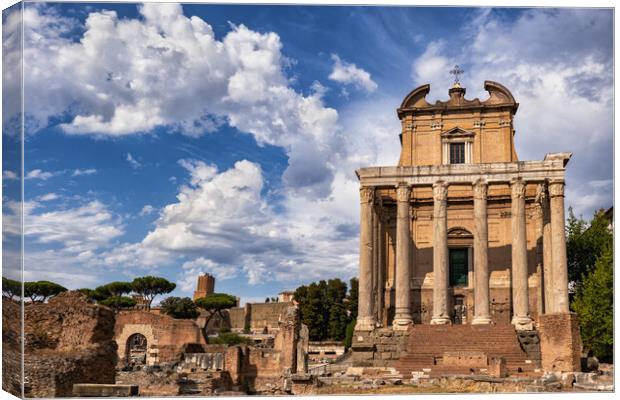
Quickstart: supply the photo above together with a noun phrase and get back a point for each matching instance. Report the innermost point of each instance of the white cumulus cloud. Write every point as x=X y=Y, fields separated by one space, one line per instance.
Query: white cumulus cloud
x=128 y=76
x=351 y=74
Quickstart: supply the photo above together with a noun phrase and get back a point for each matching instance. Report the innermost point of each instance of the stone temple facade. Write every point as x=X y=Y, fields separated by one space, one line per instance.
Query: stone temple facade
x=461 y=232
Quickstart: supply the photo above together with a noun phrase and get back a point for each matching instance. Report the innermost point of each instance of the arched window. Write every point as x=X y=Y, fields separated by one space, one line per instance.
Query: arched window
x=136 y=349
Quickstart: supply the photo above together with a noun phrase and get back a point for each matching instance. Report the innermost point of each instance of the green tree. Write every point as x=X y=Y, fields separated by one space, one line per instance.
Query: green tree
x=352 y=298
x=230 y=338
x=585 y=242
x=336 y=292
x=11 y=288
x=42 y=290
x=118 y=302
x=179 y=307
x=311 y=304
x=115 y=289
x=215 y=303
x=323 y=309
x=593 y=302
x=150 y=286
x=89 y=293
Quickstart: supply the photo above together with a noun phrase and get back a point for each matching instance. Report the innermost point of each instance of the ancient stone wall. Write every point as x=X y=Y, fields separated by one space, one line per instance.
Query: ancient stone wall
x=237 y=318
x=267 y=315
x=167 y=338
x=67 y=341
x=379 y=348
x=258 y=315
x=11 y=347
x=560 y=342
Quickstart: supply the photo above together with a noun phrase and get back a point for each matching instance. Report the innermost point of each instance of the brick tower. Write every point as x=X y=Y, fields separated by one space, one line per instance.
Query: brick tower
x=205 y=287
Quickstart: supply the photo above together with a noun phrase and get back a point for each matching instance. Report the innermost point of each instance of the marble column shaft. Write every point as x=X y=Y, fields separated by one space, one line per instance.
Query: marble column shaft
x=520 y=295
x=547 y=252
x=402 y=317
x=481 y=255
x=440 y=254
x=558 y=248
x=365 y=313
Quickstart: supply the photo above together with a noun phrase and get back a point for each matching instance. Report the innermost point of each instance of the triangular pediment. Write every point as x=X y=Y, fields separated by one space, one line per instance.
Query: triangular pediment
x=457 y=131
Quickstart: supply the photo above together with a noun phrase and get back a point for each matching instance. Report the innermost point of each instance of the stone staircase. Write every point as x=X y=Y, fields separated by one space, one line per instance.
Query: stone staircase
x=426 y=345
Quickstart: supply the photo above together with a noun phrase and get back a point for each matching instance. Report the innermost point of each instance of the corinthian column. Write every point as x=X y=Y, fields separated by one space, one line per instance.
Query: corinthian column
x=440 y=254
x=558 y=248
x=520 y=297
x=481 y=255
x=402 y=317
x=365 y=312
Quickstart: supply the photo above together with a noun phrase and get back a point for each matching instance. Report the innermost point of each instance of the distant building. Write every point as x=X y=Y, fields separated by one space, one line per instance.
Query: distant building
x=205 y=287
x=285 y=296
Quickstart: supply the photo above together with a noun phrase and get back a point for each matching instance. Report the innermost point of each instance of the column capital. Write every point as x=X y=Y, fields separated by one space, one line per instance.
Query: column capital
x=517 y=187
x=541 y=193
x=556 y=188
x=480 y=189
x=440 y=190
x=367 y=194
x=403 y=191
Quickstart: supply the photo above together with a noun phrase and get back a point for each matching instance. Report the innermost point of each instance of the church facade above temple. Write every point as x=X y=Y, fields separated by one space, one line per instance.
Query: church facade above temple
x=458 y=130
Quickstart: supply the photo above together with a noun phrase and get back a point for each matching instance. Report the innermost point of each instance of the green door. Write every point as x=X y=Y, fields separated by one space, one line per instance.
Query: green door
x=458 y=267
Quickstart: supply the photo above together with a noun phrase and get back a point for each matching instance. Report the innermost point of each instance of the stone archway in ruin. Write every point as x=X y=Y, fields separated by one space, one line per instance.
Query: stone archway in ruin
x=124 y=339
x=136 y=350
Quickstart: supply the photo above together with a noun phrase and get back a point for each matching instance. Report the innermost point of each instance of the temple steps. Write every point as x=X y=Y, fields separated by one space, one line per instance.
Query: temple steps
x=426 y=345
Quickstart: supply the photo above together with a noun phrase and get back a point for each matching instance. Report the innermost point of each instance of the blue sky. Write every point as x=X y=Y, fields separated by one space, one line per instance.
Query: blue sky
x=170 y=140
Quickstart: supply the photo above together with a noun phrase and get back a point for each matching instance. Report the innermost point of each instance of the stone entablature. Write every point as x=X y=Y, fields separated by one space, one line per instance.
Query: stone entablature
x=552 y=168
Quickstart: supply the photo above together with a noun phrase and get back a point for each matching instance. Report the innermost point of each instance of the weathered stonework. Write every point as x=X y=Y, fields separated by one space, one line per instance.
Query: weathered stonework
x=560 y=342
x=67 y=341
x=379 y=348
x=166 y=338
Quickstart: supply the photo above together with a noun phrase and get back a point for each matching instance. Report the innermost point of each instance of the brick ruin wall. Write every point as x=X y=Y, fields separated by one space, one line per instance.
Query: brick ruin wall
x=560 y=342
x=167 y=338
x=67 y=341
x=256 y=370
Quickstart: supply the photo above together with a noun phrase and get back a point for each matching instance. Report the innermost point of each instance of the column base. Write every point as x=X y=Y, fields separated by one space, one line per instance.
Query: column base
x=485 y=320
x=401 y=323
x=522 y=323
x=365 y=324
x=441 y=321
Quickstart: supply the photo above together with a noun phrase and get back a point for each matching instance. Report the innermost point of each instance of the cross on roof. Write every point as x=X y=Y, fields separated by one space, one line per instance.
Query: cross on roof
x=456 y=71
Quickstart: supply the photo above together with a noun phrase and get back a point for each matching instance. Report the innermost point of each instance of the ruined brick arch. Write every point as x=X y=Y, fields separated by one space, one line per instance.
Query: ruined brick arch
x=130 y=330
